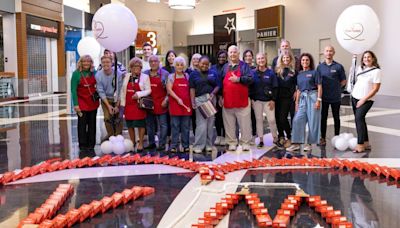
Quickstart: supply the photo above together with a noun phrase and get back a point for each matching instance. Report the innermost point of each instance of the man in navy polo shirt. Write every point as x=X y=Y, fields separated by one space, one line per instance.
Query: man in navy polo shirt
x=333 y=79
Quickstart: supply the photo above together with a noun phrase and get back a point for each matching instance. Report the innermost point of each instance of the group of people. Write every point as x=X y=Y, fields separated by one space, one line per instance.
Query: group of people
x=241 y=92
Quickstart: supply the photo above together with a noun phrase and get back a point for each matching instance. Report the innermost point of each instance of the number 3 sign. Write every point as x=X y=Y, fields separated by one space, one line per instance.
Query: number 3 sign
x=146 y=37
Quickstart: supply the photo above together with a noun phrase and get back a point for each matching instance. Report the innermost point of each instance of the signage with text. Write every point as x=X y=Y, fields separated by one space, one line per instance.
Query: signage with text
x=41 y=27
x=267 y=33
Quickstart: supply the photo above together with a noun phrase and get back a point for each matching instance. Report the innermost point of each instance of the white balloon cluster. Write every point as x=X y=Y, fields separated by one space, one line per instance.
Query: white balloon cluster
x=117 y=144
x=344 y=141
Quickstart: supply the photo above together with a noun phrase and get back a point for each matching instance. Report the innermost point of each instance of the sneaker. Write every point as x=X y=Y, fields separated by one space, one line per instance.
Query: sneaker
x=232 y=148
x=222 y=141
x=197 y=151
x=209 y=149
x=217 y=141
x=245 y=147
x=260 y=145
x=307 y=147
x=322 y=142
x=287 y=143
x=173 y=150
x=253 y=140
x=294 y=147
x=186 y=150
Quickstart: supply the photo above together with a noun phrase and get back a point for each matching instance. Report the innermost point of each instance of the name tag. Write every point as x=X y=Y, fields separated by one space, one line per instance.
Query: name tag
x=266 y=77
x=182 y=85
x=333 y=71
x=308 y=75
x=153 y=85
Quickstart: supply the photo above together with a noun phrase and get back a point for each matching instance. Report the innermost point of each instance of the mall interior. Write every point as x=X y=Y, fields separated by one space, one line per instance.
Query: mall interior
x=45 y=182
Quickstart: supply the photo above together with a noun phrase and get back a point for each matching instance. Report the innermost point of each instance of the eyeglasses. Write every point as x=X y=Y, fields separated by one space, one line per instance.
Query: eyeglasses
x=136 y=66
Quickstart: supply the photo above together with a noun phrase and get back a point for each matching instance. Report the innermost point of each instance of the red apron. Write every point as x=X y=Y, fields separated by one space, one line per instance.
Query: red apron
x=158 y=93
x=236 y=95
x=181 y=89
x=85 y=90
x=132 y=111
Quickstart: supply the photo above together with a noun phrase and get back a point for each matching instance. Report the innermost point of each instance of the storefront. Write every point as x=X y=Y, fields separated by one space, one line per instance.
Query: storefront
x=269 y=30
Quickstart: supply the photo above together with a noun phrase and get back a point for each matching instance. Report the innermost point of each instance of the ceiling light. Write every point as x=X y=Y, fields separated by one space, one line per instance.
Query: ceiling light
x=182 y=4
x=153 y=1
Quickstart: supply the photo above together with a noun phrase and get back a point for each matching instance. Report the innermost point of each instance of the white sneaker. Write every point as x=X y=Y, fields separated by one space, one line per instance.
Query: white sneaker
x=245 y=147
x=232 y=148
x=209 y=149
x=217 y=141
x=293 y=147
x=197 y=151
x=307 y=147
x=222 y=141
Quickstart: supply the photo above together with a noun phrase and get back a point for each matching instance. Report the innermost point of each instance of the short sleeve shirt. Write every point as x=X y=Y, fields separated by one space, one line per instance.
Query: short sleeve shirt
x=331 y=76
x=364 y=83
x=308 y=80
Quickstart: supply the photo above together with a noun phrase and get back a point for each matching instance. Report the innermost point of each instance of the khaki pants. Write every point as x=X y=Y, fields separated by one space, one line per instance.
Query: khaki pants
x=243 y=117
x=107 y=120
x=261 y=107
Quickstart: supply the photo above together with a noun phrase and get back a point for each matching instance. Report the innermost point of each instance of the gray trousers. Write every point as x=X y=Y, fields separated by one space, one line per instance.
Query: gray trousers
x=243 y=118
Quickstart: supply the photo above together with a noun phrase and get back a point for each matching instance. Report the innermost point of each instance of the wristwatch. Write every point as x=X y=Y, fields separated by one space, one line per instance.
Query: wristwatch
x=319 y=99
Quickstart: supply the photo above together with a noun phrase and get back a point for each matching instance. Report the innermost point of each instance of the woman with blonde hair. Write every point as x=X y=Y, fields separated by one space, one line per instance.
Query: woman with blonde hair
x=86 y=102
x=287 y=79
x=135 y=86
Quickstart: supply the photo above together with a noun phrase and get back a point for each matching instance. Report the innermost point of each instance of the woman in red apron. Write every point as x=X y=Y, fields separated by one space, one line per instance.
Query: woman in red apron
x=135 y=86
x=86 y=102
x=180 y=107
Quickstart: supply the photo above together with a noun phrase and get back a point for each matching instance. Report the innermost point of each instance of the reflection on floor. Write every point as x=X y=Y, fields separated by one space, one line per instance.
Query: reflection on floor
x=33 y=131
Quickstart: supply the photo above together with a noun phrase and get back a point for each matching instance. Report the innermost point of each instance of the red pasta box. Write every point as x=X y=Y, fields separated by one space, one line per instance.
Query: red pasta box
x=234 y=197
x=219 y=210
x=227 y=202
x=202 y=226
x=7 y=177
x=118 y=199
x=108 y=202
x=148 y=191
x=44 y=211
x=312 y=199
x=250 y=196
x=223 y=207
x=56 y=203
x=25 y=222
x=73 y=216
x=115 y=160
x=128 y=195
x=292 y=201
x=286 y=212
x=96 y=208
x=65 y=164
x=289 y=206
x=208 y=221
x=337 y=220
x=61 y=220
x=253 y=201
x=318 y=203
x=86 y=211
x=323 y=209
x=212 y=215
x=74 y=163
x=50 y=207
x=48 y=224
x=264 y=220
x=83 y=162
x=395 y=174
x=343 y=225
x=137 y=192
x=256 y=206
x=281 y=221
x=259 y=211
x=295 y=197
x=94 y=161
x=204 y=170
x=36 y=217
x=330 y=214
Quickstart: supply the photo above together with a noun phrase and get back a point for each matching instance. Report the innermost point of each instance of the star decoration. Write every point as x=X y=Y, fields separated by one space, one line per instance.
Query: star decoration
x=230 y=25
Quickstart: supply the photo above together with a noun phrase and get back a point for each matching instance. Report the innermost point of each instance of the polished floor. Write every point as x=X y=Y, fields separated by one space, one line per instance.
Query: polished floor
x=42 y=128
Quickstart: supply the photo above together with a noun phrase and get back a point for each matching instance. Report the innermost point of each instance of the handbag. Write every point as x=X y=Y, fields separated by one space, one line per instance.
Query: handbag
x=95 y=95
x=207 y=109
x=146 y=103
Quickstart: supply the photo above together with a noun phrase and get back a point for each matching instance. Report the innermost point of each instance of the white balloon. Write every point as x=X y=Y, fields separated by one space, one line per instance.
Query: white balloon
x=333 y=140
x=114 y=27
x=341 y=144
x=106 y=147
x=357 y=28
x=118 y=147
x=120 y=138
x=89 y=46
x=348 y=136
x=112 y=139
x=353 y=143
x=128 y=145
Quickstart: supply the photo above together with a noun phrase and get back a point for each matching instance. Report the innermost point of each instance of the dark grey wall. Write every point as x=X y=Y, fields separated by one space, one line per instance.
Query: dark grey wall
x=72 y=17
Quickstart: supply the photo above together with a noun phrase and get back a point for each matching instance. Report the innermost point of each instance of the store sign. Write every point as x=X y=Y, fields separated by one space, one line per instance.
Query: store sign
x=224 y=31
x=144 y=36
x=267 y=33
x=41 y=27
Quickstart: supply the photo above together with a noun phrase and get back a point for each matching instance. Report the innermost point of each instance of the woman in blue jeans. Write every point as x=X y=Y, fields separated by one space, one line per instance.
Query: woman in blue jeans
x=203 y=87
x=308 y=105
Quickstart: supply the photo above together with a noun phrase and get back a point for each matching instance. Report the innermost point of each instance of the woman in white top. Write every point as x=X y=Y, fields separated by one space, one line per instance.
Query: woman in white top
x=367 y=83
x=135 y=86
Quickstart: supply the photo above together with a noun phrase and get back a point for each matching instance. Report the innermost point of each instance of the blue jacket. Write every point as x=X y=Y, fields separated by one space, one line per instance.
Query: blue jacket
x=264 y=86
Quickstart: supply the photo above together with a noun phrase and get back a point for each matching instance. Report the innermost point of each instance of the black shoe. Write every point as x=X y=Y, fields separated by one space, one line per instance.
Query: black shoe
x=151 y=147
x=173 y=150
x=186 y=150
x=139 y=150
x=161 y=148
x=260 y=145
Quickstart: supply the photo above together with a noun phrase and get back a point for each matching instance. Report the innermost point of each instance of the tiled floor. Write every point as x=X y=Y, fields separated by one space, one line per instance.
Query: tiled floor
x=33 y=131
